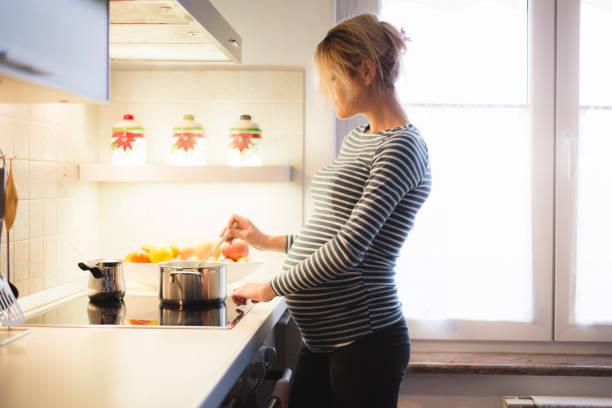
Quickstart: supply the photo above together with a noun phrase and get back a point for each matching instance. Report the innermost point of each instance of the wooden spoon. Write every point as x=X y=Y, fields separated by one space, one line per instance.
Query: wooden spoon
x=11 y=200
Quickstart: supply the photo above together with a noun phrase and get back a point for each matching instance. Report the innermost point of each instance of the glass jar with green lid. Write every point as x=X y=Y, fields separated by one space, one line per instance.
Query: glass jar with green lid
x=244 y=143
x=188 y=143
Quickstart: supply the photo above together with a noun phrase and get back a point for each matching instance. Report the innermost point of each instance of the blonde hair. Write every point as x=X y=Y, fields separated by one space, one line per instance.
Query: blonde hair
x=355 y=40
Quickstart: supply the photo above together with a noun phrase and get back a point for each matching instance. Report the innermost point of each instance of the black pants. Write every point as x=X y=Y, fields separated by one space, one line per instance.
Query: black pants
x=366 y=373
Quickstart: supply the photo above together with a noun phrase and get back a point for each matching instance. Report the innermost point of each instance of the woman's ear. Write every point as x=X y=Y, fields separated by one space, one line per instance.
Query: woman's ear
x=367 y=72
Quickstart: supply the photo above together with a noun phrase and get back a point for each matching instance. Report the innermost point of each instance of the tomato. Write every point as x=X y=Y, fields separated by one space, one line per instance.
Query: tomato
x=236 y=249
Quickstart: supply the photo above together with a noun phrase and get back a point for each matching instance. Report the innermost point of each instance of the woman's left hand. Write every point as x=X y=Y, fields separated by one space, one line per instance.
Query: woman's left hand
x=257 y=292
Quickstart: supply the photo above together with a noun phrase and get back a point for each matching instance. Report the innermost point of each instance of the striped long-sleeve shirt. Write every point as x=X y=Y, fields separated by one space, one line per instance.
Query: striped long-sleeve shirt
x=338 y=278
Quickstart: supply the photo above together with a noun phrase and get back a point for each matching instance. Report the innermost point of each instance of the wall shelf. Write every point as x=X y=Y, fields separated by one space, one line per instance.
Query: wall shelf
x=110 y=173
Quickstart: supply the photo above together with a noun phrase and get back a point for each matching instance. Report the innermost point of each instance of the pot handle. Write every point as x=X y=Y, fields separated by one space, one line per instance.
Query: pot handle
x=185 y=273
x=95 y=271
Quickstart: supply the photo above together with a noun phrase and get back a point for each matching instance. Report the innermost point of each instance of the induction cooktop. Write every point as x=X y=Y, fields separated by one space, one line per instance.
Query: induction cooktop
x=139 y=311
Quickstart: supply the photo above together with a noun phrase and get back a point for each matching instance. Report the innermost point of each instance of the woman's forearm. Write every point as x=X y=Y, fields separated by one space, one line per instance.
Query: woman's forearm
x=274 y=243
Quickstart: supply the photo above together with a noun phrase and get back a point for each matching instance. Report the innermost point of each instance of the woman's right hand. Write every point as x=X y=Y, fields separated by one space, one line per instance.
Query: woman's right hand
x=246 y=231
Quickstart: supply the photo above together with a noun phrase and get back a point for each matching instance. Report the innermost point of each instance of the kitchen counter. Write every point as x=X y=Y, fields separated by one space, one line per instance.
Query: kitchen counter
x=131 y=367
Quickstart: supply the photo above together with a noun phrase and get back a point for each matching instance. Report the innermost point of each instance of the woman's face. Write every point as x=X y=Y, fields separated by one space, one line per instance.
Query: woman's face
x=345 y=102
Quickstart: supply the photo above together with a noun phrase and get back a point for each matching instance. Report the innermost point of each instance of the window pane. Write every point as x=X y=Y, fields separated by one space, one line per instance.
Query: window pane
x=593 y=273
x=462 y=51
x=465 y=87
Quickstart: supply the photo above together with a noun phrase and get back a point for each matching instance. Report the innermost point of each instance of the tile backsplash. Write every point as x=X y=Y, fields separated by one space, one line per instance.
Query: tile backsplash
x=61 y=220
x=54 y=210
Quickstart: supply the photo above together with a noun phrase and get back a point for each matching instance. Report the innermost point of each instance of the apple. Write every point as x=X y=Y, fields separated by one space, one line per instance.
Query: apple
x=235 y=249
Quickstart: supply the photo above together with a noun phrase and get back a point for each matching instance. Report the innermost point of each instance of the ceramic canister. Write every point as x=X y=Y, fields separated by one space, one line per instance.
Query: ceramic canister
x=188 y=143
x=244 y=143
x=128 y=143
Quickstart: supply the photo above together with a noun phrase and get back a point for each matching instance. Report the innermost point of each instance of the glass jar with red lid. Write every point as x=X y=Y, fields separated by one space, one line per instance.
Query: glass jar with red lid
x=128 y=143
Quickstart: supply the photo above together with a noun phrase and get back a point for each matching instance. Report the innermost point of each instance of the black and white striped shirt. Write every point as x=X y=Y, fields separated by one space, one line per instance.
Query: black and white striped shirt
x=338 y=278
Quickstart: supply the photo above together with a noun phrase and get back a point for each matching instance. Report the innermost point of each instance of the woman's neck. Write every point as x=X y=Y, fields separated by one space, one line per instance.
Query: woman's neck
x=384 y=112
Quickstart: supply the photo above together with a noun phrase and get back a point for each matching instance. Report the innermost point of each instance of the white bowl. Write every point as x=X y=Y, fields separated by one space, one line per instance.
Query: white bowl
x=238 y=270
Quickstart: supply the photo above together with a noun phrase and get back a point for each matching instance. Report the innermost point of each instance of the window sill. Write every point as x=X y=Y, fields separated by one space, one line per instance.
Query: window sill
x=591 y=365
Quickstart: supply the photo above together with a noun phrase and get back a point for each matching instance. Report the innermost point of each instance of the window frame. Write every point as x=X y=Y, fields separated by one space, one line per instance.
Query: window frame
x=567 y=136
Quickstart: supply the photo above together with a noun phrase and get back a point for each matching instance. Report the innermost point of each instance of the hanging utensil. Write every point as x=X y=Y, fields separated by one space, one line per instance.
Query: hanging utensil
x=10 y=311
x=11 y=201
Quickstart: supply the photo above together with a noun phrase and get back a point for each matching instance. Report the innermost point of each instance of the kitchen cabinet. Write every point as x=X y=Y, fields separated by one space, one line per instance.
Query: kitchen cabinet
x=54 y=51
x=102 y=172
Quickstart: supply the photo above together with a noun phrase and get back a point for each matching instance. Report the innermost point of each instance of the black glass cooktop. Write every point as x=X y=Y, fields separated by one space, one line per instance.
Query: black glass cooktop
x=139 y=310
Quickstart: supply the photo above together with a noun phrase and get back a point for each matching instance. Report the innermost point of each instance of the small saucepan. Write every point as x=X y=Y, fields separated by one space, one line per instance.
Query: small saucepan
x=106 y=281
x=192 y=283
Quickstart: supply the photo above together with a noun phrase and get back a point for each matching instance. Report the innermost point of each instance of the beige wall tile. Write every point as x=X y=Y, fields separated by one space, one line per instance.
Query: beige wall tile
x=21 y=138
x=37 y=134
x=15 y=110
x=21 y=228
x=22 y=260
x=50 y=248
x=50 y=180
x=50 y=217
x=256 y=86
x=288 y=86
x=128 y=86
x=50 y=280
x=36 y=284
x=36 y=218
x=37 y=259
x=50 y=143
x=37 y=180
x=6 y=136
x=22 y=178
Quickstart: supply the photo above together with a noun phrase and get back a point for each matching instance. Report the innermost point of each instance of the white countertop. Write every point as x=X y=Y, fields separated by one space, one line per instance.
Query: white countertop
x=111 y=367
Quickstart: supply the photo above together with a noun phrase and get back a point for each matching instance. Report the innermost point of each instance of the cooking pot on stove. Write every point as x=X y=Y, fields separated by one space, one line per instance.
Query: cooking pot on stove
x=108 y=312
x=211 y=315
x=106 y=281
x=192 y=283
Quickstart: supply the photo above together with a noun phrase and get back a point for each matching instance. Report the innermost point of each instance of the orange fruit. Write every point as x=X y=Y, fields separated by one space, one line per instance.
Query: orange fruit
x=139 y=256
x=160 y=254
x=147 y=248
x=204 y=247
x=242 y=259
x=187 y=252
x=175 y=250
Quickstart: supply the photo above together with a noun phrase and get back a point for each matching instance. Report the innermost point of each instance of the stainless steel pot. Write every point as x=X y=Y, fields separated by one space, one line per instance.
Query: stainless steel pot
x=192 y=283
x=106 y=281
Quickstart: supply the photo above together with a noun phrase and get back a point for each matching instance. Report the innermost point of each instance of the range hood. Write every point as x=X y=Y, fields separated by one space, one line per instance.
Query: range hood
x=171 y=30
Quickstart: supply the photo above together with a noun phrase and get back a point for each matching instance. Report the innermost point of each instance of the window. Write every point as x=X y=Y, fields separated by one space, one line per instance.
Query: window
x=584 y=171
x=514 y=98
x=477 y=265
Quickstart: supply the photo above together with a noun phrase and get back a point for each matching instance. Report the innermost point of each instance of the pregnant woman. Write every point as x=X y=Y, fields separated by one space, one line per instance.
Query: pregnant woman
x=338 y=279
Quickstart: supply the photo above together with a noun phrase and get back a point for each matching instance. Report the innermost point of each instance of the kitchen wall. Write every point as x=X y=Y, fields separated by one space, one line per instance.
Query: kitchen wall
x=277 y=32
x=132 y=214
x=57 y=216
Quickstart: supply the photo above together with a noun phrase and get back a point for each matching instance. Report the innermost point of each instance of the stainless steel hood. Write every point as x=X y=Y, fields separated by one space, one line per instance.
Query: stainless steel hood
x=171 y=30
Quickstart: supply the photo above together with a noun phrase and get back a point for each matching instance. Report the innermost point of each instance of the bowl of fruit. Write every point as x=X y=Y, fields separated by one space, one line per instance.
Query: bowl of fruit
x=142 y=265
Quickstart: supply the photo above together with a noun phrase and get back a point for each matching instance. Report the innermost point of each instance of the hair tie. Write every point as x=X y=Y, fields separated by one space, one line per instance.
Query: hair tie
x=404 y=36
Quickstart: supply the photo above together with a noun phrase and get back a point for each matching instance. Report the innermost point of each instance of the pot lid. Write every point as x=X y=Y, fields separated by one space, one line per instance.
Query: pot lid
x=188 y=124
x=128 y=123
x=245 y=125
